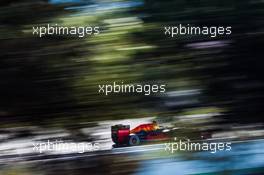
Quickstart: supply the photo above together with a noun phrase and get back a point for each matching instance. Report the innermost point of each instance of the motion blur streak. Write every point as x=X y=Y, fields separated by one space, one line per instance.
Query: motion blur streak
x=49 y=85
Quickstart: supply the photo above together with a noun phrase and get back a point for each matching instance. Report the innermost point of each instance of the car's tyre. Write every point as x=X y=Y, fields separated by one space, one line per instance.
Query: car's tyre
x=134 y=140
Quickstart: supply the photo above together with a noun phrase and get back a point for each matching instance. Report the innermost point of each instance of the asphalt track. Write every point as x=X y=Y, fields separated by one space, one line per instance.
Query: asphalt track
x=28 y=158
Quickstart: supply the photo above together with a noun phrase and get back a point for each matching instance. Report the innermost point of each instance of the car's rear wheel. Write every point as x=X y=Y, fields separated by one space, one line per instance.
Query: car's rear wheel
x=134 y=140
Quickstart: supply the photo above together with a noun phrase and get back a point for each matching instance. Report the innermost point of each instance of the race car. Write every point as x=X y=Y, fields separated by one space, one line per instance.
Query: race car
x=123 y=136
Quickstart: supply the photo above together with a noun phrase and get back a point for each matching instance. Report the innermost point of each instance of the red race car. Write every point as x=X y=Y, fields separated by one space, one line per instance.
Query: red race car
x=123 y=136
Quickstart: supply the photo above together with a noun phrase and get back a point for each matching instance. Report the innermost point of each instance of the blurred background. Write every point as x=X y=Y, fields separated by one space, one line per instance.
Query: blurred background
x=49 y=85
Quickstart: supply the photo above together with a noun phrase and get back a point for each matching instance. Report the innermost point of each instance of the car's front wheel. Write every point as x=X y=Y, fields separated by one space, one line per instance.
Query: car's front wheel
x=134 y=140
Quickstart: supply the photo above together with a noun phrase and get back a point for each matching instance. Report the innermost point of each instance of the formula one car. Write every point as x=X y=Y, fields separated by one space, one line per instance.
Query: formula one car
x=123 y=136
